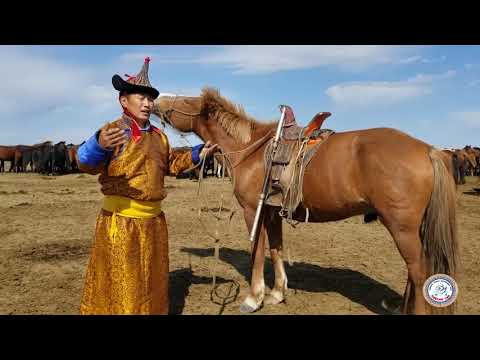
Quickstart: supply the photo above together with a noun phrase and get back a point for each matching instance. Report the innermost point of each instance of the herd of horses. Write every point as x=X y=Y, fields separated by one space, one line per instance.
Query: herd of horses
x=48 y=158
x=466 y=162
x=61 y=158
x=43 y=158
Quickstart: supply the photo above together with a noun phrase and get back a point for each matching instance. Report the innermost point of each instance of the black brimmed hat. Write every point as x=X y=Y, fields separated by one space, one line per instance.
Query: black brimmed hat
x=136 y=84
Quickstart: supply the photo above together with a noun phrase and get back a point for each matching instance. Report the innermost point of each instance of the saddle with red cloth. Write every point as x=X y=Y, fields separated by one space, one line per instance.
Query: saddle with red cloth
x=297 y=147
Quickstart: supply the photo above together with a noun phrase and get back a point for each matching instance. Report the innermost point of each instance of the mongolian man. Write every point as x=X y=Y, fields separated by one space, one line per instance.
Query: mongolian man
x=128 y=268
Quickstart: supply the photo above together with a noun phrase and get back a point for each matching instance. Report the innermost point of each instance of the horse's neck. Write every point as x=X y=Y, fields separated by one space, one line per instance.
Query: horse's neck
x=228 y=143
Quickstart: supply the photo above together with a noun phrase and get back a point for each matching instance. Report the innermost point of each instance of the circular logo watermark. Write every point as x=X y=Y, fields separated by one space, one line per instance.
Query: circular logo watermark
x=440 y=290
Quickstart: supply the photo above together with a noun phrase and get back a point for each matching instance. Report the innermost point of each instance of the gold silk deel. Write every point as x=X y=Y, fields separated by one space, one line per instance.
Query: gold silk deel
x=128 y=273
x=180 y=161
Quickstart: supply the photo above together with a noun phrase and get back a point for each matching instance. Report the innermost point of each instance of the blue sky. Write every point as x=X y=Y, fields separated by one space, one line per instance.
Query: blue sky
x=65 y=93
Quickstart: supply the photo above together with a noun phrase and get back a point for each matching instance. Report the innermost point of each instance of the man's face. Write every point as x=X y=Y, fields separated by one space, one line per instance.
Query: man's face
x=139 y=105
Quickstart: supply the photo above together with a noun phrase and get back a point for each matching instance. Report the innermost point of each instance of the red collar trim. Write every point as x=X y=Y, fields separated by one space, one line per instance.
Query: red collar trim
x=136 y=132
x=157 y=130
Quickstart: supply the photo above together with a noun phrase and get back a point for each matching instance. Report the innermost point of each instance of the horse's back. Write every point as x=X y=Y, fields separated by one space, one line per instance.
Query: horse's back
x=384 y=136
x=7 y=152
x=385 y=144
x=357 y=169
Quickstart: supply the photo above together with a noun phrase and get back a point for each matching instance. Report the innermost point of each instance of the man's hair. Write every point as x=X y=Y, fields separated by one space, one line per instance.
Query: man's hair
x=126 y=93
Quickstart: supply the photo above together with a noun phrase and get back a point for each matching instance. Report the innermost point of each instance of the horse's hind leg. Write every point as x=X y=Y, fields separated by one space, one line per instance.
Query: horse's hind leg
x=409 y=244
x=274 y=233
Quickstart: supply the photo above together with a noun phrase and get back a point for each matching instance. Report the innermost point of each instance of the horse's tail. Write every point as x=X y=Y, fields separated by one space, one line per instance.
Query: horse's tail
x=439 y=228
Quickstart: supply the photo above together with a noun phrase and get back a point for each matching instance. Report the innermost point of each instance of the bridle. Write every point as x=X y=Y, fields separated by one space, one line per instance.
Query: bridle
x=166 y=115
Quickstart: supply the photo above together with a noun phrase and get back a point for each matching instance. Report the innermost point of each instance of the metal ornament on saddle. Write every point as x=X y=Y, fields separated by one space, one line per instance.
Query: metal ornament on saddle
x=296 y=148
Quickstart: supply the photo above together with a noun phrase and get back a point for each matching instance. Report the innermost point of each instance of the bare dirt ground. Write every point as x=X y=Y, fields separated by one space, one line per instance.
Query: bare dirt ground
x=345 y=267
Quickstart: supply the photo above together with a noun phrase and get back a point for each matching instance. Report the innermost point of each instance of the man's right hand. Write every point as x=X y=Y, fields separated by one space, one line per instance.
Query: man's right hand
x=110 y=138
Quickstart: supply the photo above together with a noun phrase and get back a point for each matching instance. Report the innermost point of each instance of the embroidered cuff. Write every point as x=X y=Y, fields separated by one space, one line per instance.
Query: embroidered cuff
x=196 y=153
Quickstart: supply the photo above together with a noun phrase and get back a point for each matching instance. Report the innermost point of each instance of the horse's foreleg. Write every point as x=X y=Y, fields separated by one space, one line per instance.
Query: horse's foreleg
x=275 y=239
x=254 y=299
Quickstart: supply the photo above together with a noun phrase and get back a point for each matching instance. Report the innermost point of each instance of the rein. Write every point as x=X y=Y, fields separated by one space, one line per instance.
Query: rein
x=249 y=150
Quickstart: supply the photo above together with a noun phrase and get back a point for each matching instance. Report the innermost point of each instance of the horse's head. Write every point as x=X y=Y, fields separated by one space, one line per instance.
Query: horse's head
x=210 y=116
x=180 y=112
x=472 y=160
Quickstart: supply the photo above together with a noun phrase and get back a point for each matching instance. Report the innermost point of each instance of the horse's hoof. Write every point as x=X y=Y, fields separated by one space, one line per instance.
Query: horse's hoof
x=247 y=309
x=249 y=305
x=274 y=299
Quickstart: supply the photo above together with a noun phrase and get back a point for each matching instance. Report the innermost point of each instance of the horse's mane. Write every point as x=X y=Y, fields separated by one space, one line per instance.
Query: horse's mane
x=43 y=144
x=231 y=117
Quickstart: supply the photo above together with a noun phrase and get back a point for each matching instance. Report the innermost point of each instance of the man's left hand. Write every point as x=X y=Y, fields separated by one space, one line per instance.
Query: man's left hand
x=208 y=149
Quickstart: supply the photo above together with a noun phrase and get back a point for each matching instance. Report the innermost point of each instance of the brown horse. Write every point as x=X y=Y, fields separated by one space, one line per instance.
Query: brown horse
x=23 y=157
x=219 y=166
x=457 y=168
x=7 y=153
x=472 y=162
x=405 y=181
x=72 y=157
x=467 y=162
x=474 y=155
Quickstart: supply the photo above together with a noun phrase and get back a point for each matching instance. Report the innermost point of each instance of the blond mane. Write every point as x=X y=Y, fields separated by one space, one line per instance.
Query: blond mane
x=231 y=117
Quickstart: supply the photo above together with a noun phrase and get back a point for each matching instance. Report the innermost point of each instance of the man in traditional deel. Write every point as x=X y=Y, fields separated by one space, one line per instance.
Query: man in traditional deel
x=128 y=268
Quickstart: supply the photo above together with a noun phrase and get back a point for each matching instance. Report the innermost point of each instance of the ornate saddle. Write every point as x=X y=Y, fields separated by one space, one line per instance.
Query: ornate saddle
x=296 y=148
x=292 y=131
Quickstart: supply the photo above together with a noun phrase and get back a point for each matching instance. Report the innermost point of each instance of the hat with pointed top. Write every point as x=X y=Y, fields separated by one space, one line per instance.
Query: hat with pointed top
x=136 y=84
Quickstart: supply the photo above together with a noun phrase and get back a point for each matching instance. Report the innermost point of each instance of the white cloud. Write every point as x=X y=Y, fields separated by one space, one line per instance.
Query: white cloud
x=33 y=83
x=428 y=78
x=181 y=91
x=410 y=60
x=100 y=97
x=133 y=57
x=470 y=119
x=420 y=60
x=137 y=58
x=474 y=83
x=471 y=66
x=363 y=94
x=368 y=93
x=271 y=58
x=255 y=59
